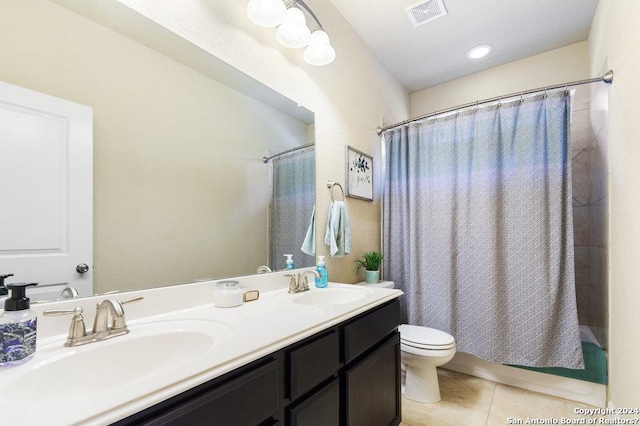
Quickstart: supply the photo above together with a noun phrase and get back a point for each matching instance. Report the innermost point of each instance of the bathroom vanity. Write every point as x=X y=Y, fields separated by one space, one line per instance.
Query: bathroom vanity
x=348 y=374
x=322 y=357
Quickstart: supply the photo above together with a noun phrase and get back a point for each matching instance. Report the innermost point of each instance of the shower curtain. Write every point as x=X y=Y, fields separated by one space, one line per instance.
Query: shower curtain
x=478 y=230
x=292 y=203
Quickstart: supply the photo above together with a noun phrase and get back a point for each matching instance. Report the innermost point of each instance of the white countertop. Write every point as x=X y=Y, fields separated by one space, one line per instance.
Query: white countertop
x=253 y=330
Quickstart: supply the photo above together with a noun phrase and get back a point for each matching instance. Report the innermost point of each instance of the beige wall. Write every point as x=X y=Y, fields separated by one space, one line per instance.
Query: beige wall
x=614 y=43
x=556 y=66
x=175 y=152
x=350 y=97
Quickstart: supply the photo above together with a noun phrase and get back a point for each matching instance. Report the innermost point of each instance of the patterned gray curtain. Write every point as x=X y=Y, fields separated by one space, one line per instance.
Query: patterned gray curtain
x=478 y=230
x=291 y=207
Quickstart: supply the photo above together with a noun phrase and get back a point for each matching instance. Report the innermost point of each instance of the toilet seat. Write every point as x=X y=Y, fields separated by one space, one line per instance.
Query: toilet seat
x=425 y=338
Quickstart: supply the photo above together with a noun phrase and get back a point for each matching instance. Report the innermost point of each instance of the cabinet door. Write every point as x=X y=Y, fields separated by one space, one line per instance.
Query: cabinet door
x=321 y=409
x=373 y=387
x=247 y=400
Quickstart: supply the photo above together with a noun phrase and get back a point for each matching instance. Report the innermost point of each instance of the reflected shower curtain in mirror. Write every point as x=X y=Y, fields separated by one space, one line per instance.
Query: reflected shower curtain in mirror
x=478 y=230
x=291 y=207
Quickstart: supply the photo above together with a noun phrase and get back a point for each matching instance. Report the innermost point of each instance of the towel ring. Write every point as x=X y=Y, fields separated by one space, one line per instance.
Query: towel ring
x=330 y=185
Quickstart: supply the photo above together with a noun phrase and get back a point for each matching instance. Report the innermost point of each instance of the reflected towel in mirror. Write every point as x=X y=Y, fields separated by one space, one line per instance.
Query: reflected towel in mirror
x=309 y=243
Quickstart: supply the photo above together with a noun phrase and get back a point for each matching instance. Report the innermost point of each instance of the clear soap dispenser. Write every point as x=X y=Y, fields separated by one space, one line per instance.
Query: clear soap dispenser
x=18 y=327
x=323 y=281
x=289 y=263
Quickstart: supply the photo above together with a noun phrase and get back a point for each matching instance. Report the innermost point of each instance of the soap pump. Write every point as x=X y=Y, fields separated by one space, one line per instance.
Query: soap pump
x=4 y=293
x=321 y=268
x=18 y=327
x=289 y=263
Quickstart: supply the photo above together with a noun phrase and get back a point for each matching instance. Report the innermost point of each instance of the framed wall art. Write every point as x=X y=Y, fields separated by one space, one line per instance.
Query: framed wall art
x=359 y=174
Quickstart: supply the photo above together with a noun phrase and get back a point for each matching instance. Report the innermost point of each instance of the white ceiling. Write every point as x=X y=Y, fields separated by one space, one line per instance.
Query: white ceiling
x=435 y=52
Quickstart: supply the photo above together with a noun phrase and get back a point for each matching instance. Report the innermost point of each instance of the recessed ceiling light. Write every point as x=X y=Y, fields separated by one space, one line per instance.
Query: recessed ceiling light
x=479 y=51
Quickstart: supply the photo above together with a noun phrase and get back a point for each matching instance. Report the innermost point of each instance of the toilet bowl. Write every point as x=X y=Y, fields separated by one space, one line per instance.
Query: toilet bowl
x=422 y=349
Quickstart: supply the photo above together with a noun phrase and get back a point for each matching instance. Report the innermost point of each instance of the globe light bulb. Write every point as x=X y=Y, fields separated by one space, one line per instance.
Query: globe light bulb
x=319 y=52
x=267 y=13
x=293 y=32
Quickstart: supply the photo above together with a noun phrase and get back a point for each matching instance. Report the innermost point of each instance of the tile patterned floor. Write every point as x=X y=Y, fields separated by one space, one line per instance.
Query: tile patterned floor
x=470 y=401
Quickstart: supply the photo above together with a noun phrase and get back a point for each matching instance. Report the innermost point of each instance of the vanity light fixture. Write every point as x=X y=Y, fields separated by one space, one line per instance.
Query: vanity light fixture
x=292 y=29
x=479 y=51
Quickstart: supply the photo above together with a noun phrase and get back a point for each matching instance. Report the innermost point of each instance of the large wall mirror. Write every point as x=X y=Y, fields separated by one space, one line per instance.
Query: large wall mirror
x=181 y=191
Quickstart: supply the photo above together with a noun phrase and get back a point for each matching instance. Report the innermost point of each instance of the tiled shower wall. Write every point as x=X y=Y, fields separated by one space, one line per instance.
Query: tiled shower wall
x=590 y=198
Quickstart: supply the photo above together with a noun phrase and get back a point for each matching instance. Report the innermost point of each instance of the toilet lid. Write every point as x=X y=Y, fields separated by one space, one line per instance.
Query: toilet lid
x=425 y=337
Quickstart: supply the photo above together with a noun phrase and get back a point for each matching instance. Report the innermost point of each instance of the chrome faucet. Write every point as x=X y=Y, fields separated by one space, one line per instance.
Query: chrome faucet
x=101 y=328
x=263 y=269
x=298 y=282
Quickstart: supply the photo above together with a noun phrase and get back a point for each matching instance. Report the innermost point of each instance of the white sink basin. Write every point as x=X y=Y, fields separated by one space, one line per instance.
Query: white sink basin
x=332 y=296
x=149 y=350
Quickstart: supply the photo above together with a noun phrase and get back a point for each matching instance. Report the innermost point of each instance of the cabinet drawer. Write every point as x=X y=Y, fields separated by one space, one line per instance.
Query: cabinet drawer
x=313 y=363
x=247 y=400
x=366 y=331
x=320 y=409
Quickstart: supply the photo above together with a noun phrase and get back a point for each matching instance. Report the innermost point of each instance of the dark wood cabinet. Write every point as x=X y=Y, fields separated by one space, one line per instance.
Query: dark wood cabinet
x=362 y=333
x=347 y=375
x=322 y=408
x=311 y=362
x=251 y=397
x=371 y=387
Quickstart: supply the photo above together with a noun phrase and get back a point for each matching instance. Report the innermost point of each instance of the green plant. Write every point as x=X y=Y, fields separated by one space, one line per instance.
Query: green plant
x=370 y=261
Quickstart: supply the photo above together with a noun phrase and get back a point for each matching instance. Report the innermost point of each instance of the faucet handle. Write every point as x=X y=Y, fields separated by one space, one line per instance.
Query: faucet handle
x=106 y=293
x=133 y=299
x=293 y=283
x=77 y=328
x=58 y=312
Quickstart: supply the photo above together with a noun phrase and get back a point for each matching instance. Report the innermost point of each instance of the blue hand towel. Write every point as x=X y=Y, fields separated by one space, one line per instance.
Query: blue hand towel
x=309 y=243
x=338 y=235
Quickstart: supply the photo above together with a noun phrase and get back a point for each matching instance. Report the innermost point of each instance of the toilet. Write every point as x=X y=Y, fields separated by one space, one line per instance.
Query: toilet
x=422 y=349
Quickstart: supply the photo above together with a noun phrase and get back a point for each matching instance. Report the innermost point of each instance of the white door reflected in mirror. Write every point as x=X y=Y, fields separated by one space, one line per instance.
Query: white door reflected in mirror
x=46 y=224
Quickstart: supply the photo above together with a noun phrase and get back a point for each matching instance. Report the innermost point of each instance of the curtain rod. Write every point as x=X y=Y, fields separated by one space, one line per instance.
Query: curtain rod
x=265 y=159
x=607 y=78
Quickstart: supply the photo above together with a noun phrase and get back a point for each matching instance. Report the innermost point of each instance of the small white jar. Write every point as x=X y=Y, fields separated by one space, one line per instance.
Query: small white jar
x=227 y=294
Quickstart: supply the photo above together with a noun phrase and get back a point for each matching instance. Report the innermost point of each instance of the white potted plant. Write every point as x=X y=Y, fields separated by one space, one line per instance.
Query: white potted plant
x=371 y=262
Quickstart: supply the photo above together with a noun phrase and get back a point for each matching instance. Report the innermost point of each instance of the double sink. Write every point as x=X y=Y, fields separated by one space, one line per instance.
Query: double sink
x=154 y=349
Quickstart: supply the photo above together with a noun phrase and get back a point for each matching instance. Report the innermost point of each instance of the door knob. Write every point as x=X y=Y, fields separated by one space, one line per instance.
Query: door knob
x=82 y=268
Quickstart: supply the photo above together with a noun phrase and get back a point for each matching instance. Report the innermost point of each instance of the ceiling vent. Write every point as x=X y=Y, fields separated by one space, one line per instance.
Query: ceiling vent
x=426 y=11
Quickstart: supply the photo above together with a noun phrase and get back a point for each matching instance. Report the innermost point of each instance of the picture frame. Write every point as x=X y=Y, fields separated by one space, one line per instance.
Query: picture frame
x=358 y=174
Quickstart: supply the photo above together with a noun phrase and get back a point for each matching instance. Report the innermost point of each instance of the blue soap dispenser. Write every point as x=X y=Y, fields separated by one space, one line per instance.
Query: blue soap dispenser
x=18 y=327
x=321 y=268
x=289 y=263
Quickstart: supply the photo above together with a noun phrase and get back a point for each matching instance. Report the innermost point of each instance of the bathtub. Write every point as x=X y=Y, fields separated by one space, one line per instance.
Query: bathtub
x=562 y=387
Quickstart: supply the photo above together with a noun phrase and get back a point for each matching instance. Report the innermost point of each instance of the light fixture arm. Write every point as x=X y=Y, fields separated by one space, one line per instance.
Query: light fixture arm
x=308 y=9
